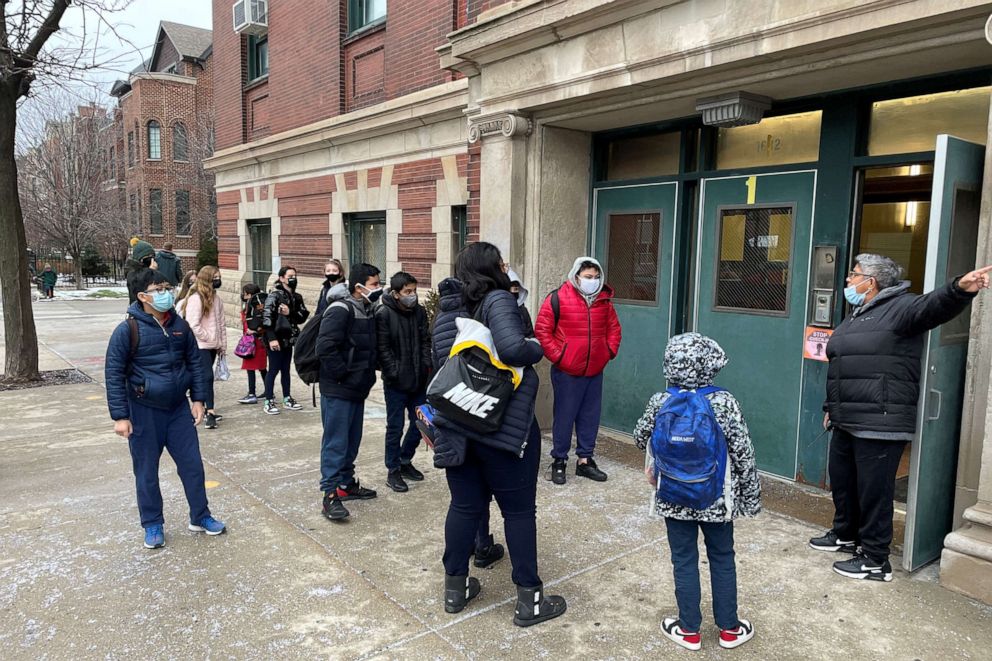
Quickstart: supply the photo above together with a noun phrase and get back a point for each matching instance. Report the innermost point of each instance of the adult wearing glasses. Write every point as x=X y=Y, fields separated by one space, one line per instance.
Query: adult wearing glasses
x=873 y=384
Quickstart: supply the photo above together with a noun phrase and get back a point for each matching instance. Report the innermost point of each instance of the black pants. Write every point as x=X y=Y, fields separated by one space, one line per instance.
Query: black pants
x=251 y=380
x=207 y=358
x=488 y=472
x=280 y=363
x=863 y=482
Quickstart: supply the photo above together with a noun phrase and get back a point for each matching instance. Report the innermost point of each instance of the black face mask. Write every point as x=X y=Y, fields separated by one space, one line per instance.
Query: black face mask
x=292 y=283
x=516 y=295
x=217 y=284
x=146 y=262
x=332 y=277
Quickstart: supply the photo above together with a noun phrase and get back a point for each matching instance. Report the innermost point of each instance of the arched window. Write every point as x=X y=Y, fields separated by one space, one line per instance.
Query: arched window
x=180 y=142
x=154 y=140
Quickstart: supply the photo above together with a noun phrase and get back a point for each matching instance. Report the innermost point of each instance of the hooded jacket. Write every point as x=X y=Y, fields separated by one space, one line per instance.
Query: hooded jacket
x=49 y=278
x=298 y=313
x=499 y=313
x=404 y=345
x=170 y=266
x=873 y=380
x=346 y=346
x=325 y=290
x=587 y=335
x=165 y=368
x=692 y=361
x=522 y=303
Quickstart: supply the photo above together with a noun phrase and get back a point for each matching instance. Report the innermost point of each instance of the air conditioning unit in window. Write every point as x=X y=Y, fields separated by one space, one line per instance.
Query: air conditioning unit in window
x=251 y=17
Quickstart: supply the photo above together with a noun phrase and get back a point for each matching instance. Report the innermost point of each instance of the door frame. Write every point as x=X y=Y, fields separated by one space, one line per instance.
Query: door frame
x=697 y=267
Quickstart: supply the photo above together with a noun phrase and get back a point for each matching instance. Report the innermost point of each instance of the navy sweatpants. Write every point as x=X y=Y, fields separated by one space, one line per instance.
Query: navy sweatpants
x=153 y=430
x=578 y=405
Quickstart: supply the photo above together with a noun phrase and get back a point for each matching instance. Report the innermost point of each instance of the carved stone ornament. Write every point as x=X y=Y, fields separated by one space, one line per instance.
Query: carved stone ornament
x=506 y=125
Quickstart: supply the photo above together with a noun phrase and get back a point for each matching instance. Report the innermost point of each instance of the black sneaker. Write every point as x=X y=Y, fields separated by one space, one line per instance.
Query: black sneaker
x=411 y=473
x=831 y=543
x=488 y=556
x=355 y=491
x=334 y=509
x=210 y=421
x=250 y=398
x=591 y=470
x=558 y=467
x=861 y=566
x=395 y=482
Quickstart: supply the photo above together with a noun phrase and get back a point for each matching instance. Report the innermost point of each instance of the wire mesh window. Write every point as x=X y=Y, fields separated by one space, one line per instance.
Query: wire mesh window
x=154 y=140
x=155 y=211
x=755 y=259
x=632 y=255
x=180 y=142
x=184 y=226
x=260 y=238
x=368 y=239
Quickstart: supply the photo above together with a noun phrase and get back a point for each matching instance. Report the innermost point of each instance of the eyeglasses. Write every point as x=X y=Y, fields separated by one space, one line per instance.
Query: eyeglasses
x=159 y=290
x=851 y=274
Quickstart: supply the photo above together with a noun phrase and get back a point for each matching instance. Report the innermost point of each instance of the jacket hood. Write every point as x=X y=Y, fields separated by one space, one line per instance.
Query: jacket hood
x=168 y=254
x=883 y=295
x=450 y=291
x=514 y=278
x=693 y=360
x=574 y=273
x=388 y=301
x=338 y=292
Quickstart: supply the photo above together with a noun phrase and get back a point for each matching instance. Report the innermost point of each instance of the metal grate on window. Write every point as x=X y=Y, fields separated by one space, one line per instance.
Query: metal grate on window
x=632 y=255
x=755 y=257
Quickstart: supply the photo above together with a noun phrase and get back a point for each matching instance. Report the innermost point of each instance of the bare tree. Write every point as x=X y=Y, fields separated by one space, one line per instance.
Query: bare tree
x=29 y=54
x=62 y=177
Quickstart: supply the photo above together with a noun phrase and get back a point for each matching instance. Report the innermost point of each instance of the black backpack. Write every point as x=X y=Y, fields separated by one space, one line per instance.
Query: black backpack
x=555 y=307
x=305 y=350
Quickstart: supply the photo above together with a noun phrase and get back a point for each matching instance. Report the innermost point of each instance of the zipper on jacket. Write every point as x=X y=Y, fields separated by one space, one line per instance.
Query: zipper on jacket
x=585 y=372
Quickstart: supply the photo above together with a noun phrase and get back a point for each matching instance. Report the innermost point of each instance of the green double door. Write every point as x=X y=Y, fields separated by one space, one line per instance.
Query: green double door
x=635 y=233
x=751 y=292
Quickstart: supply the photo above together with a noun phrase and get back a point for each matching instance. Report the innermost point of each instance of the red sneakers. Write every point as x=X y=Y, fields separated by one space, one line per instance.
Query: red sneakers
x=672 y=629
x=731 y=638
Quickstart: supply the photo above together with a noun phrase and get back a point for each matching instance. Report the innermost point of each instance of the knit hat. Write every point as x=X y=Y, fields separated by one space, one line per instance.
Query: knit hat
x=141 y=250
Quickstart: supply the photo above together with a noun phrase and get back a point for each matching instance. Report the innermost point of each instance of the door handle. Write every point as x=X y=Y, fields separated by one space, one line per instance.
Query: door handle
x=940 y=399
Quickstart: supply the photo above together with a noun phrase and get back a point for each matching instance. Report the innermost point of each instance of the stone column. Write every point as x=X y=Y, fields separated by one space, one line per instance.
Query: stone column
x=503 y=195
x=966 y=562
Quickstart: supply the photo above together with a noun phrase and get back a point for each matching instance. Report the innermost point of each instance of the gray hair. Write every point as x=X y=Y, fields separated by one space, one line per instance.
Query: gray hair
x=885 y=270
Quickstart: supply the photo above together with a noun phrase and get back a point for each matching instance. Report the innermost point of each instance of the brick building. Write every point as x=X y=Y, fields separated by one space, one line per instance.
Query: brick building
x=163 y=132
x=339 y=135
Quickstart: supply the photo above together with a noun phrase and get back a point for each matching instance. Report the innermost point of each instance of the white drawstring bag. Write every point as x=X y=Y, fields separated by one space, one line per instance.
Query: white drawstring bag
x=221 y=371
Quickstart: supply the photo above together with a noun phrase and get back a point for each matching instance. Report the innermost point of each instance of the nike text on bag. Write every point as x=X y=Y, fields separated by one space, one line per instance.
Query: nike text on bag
x=689 y=450
x=471 y=391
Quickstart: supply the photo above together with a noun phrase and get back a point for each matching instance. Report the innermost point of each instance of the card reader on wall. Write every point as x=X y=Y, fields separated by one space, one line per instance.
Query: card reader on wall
x=824 y=281
x=823 y=307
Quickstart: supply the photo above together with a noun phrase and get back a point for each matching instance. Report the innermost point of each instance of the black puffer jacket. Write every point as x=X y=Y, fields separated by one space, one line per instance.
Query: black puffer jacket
x=404 y=345
x=346 y=347
x=501 y=315
x=274 y=329
x=873 y=381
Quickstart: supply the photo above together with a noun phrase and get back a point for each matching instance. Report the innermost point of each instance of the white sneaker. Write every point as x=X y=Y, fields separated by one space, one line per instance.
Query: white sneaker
x=270 y=407
x=731 y=638
x=672 y=629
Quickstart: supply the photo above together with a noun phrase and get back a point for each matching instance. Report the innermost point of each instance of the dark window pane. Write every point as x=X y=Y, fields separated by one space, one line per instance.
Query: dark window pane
x=130 y=149
x=183 y=225
x=647 y=156
x=632 y=255
x=180 y=143
x=755 y=257
x=459 y=226
x=154 y=211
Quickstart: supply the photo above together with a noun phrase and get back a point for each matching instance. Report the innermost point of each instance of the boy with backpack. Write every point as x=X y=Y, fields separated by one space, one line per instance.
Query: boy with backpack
x=152 y=363
x=700 y=462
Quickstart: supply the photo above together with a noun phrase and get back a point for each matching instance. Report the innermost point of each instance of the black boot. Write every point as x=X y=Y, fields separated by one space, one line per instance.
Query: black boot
x=489 y=554
x=458 y=591
x=533 y=607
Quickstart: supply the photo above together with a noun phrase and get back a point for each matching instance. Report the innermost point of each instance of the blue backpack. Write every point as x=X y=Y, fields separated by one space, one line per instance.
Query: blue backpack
x=690 y=450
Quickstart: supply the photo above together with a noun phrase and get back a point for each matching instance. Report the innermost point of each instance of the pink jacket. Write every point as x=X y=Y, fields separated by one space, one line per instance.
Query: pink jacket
x=210 y=331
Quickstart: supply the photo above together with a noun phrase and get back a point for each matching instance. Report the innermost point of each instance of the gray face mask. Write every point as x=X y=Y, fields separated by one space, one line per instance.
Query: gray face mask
x=408 y=301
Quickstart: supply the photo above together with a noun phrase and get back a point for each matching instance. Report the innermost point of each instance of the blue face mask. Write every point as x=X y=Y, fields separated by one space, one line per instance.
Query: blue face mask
x=853 y=297
x=163 y=300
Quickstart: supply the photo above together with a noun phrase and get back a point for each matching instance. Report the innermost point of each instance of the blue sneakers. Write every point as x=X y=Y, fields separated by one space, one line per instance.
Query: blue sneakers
x=209 y=525
x=154 y=537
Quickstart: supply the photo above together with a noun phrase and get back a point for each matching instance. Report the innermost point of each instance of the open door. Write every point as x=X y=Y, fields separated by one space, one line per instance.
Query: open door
x=951 y=247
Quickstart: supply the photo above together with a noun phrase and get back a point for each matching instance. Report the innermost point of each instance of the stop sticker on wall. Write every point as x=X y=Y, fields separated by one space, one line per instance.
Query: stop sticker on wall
x=815 y=343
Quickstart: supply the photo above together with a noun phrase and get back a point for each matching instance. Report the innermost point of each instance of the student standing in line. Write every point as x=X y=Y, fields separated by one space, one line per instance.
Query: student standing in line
x=579 y=338
x=346 y=346
x=205 y=315
x=284 y=312
x=333 y=274
x=253 y=303
x=151 y=378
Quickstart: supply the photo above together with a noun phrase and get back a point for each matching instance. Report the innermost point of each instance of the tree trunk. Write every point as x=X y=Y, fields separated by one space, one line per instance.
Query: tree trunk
x=77 y=271
x=21 y=339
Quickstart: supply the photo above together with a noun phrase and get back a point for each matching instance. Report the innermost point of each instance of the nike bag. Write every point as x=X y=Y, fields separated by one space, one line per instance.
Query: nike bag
x=473 y=388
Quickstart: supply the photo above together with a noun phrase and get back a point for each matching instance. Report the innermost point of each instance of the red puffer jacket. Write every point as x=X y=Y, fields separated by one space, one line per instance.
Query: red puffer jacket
x=587 y=338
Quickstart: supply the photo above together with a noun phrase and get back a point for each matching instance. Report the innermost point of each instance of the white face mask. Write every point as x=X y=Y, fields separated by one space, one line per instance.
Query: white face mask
x=589 y=286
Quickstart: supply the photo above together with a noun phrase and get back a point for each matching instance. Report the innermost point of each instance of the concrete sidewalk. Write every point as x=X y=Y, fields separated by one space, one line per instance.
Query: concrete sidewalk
x=76 y=583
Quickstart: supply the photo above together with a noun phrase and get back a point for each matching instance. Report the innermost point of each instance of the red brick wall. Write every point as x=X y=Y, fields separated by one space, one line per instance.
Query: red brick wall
x=365 y=71
x=476 y=7
x=229 y=72
x=414 y=28
x=167 y=56
x=304 y=206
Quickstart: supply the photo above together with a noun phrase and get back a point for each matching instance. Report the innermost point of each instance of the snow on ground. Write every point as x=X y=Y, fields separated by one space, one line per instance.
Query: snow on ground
x=66 y=294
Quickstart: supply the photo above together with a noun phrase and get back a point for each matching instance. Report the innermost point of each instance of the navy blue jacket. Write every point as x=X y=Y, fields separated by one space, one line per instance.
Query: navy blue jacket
x=501 y=315
x=165 y=368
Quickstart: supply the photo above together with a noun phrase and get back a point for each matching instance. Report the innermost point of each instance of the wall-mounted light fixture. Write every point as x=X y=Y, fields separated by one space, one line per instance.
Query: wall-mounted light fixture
x=734 y=109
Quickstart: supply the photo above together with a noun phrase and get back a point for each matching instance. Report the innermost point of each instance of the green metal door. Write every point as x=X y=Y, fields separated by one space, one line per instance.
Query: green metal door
x=634 y=238
x=951 y=244
x=751 y=295
x=260 y=240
